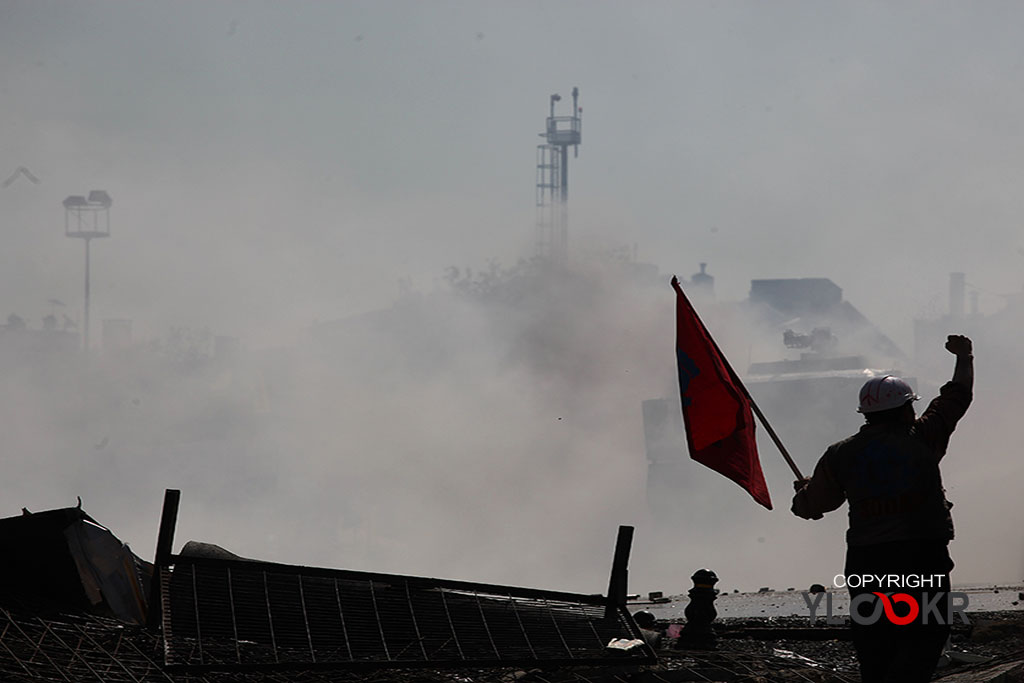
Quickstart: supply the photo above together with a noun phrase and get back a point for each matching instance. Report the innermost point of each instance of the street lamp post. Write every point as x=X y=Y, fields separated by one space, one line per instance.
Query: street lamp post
x=86 y=218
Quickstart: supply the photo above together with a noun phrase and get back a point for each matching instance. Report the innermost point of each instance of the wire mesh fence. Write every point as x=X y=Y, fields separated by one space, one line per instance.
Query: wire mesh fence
x=224 y=614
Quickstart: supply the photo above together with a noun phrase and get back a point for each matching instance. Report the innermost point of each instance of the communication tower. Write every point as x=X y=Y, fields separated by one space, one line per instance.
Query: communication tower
x=560 y=133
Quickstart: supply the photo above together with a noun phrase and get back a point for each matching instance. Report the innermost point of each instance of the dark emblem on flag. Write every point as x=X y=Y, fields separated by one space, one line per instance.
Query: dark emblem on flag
x=687 y=371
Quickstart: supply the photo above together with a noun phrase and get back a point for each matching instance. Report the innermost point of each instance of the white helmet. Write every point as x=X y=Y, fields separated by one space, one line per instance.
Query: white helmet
x=884 y=393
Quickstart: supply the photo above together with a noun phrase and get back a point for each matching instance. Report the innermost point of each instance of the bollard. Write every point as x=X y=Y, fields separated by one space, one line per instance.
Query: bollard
x=697 y=633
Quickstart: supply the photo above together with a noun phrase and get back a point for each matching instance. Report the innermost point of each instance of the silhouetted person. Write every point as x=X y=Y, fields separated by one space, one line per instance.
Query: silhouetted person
x=900 y=524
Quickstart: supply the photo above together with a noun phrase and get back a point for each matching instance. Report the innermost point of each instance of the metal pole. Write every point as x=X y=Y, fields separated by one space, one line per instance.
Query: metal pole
x=85 y=338
x=565 y=173
x=619 y=580
x=164 y=541
x=564 y=237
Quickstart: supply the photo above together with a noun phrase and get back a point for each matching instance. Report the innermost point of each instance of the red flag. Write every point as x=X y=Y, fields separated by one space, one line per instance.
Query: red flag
x=716 y=411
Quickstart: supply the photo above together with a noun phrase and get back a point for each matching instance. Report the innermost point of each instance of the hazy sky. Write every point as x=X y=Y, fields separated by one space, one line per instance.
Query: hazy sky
x=274 y=164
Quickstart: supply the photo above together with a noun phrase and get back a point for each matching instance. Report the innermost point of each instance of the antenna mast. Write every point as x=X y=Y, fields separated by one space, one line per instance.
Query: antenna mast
x=560 y=133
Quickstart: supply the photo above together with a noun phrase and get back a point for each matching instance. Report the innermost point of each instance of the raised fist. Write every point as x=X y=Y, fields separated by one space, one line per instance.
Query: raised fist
x=959 y=345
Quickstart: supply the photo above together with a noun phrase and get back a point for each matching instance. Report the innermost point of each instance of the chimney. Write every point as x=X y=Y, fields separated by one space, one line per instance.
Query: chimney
x=703 y=282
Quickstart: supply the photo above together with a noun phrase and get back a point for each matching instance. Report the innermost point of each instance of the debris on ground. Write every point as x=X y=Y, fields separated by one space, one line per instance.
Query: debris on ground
x=72 y=610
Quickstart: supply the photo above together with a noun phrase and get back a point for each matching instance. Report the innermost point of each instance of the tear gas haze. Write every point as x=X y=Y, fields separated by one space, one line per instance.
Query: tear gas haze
x=299 y=193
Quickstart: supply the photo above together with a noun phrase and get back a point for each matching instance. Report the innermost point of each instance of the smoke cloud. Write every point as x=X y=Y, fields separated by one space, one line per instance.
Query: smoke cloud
x=298 y=195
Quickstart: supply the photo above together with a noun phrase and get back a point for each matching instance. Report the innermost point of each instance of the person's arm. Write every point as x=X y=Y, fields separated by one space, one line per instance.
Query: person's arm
x=944 y=412
x=818 y=494
x=961 y=347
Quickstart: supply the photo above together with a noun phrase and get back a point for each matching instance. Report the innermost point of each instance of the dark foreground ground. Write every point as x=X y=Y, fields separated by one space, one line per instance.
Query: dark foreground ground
x=786 y=649
x=991 y=648
x=751 y=650
x=776 y=650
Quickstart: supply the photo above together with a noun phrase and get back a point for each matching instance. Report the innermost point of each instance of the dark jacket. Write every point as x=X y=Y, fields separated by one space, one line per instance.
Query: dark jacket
x=889 y=474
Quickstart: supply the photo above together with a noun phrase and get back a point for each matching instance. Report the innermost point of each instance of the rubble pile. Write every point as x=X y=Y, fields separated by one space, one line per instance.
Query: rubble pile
x=75 y=606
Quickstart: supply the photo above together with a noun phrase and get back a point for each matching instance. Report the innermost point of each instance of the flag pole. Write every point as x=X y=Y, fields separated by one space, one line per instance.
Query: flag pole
x=736 y=379
x=771 y=432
